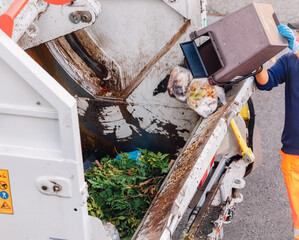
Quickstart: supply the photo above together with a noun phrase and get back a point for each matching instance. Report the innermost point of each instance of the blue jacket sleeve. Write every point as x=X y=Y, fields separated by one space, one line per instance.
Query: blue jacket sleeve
x=277 y=75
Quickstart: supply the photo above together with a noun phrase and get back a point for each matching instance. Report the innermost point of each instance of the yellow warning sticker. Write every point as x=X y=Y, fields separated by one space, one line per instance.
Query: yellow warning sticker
x=5 y=194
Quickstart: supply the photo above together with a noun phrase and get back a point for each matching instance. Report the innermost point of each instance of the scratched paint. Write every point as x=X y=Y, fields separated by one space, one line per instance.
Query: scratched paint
x=82 y=105
x=113 y=122
x=140 y=113
x=176 y=193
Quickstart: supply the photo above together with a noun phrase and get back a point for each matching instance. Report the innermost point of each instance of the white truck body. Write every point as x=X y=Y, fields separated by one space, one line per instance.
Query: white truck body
x=40 y=144
x=41 y=150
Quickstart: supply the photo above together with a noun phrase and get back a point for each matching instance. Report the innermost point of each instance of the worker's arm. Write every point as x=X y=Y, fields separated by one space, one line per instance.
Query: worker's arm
x=269 y=78
x=262 y=78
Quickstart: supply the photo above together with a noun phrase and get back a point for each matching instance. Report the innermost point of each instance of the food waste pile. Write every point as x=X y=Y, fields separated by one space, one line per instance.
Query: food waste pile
x=121 y=189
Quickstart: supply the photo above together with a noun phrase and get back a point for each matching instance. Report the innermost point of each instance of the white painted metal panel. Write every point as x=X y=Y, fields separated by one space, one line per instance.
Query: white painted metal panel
x=139 y=40
x=153 y=110
x=40 y=147
x=132 y=32
x=190 y=9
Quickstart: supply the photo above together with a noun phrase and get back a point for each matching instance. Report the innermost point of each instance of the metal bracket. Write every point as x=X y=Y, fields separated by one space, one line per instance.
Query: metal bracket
x=238 y=183
x=54 y=21
x=56 y=186
x=247 y=153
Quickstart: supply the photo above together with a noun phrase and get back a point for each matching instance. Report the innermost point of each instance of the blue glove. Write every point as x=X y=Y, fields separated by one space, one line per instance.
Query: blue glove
x=289 y=35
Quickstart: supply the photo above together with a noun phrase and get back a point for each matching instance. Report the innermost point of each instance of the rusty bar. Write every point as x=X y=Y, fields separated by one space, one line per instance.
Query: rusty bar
x=159 y=55
x=181 y=184
x=197 y=230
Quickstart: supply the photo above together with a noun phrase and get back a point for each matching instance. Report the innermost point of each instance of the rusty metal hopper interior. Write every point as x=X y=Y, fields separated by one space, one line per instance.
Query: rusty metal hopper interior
x=122 y=99
x=120 y=81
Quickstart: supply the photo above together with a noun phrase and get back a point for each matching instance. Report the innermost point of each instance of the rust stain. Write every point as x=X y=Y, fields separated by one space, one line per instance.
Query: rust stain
x=161 y=207
x=95 y=84
x=159 y=55
x=44 y=58
x=107 y=82
x=111 y=78
x=91 y=141
x=77 y=65
x=155 y=221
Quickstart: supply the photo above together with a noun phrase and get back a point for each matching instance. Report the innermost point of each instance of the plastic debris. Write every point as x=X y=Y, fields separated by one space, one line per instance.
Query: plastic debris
x=203 y=97
x=134 y=155
x=179 y=81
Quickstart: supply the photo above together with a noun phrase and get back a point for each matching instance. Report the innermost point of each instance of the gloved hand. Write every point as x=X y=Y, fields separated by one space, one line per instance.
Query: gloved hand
x=289 y=35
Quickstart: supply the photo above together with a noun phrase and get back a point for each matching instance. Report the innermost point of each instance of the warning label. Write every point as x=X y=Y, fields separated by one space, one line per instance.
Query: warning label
x=3 y=185
x=5 y=206
x=5 y=194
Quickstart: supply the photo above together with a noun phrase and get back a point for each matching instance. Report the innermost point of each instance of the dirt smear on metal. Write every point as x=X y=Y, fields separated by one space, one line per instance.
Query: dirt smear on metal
x=157 y=217
x=161 y=207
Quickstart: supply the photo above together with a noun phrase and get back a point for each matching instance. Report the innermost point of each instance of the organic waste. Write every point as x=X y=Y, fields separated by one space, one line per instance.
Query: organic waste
x=203 y=97
x=121 y=189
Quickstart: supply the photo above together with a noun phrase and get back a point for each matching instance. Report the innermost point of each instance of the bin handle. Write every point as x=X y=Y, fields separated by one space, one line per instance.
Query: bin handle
x=275 y=18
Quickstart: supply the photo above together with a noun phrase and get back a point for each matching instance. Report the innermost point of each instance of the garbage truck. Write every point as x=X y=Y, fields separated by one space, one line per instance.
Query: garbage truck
x=90 y=77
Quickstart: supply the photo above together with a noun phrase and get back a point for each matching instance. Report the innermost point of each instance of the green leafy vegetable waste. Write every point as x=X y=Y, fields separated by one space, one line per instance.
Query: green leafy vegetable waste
x=121 y=190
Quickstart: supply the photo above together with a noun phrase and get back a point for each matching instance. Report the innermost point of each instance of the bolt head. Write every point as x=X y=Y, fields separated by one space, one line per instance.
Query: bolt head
x=86 y=17
x=237 y=181
x=56 y=188
x=74 y=18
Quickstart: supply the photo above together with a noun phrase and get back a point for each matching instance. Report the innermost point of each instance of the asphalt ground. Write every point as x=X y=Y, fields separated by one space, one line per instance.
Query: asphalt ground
x=265 y=213
x=286 y=11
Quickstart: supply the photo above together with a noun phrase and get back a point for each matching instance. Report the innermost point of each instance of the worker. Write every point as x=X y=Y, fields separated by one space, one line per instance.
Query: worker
x=286 y=70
